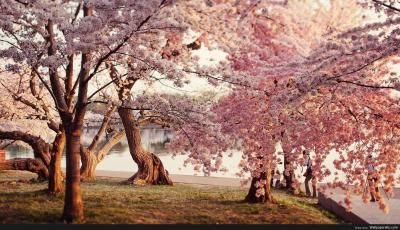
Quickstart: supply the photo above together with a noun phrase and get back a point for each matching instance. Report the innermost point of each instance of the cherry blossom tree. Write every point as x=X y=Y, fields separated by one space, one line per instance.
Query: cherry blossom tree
x=256 y=114
x=167 y=59
x=28 y=106
x=49 y=37
x=150 y=167
x=350 y=69
x=355 y=126
x=165 y=110
x=324 y=52
x=353 y=74
x=25 y=103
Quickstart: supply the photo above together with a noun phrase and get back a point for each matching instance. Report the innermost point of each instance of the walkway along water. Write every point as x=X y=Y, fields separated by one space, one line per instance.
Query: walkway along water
x=361 y=213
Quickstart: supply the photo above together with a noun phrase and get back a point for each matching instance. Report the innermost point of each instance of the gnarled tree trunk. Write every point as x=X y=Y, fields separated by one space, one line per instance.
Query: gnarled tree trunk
x=264 y=194
x=40 y=148
x=26 y=164
x=89 y=163
x=41 y=151
x=91 y=156
x=260 y=188
x=55 y=178
x=150 y=168
x=91 y=159
x=49 y=155
x=73 y=205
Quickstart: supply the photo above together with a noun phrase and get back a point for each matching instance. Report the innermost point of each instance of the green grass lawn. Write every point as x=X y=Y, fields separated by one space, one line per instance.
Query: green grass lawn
x=107 y=200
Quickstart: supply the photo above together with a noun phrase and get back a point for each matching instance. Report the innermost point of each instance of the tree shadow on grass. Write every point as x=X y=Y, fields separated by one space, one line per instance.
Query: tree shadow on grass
x=106 y=182
x=228 y=202
x=14 y=215
x=30 y=207
x=30 y=197
x=22 y=194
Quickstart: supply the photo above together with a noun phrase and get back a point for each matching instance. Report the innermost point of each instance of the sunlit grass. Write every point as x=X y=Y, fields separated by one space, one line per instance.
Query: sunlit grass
x=108 y=200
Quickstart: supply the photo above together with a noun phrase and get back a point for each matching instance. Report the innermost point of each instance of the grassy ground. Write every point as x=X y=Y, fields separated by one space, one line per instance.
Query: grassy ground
x=107 y=200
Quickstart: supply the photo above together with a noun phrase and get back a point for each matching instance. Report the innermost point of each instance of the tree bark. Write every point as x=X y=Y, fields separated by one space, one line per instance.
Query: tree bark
x=90 y=159
x=150 y=168
x=89 y=163
x=73 y=205
x=55 y=185
x=91 y=156
x=49 y=155
x=26 y=164
x=265 y=194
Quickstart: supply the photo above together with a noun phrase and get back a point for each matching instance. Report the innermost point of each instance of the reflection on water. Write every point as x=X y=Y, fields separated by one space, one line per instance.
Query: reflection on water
x=153 y=140
x=14 y=151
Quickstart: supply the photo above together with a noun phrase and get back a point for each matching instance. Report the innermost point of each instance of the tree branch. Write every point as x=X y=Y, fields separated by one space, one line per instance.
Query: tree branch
x=126 y=39
x=102 y=129
x=386 y=5
x=40 y=147
x=105 y=149
x=365 y=85
x=100 y=89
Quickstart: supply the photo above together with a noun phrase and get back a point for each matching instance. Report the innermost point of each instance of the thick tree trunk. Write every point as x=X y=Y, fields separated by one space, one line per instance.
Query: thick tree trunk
x=73 y=205
x=91 y=156
x=260 y=194
x=72 y=119
x=90 y=160
x=26 y=164
x=150 y=168
x=89 y=163
x=55 y=178
x=152 y=172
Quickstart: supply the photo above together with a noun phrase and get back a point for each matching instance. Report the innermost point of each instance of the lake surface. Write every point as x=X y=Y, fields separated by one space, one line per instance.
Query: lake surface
x=153 y=140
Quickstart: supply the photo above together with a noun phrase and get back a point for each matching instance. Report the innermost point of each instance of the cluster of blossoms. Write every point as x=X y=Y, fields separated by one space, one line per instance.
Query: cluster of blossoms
x=316 y=83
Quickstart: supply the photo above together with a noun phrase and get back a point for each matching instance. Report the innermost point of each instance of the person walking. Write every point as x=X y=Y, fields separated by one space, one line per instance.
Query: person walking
x=271 y=184
x=288 y=173
x=277 y=178
x=373 y=179
x=309 y=175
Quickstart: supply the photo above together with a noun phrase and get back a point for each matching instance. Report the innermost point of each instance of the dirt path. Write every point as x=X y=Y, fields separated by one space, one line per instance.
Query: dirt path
x=184 y=179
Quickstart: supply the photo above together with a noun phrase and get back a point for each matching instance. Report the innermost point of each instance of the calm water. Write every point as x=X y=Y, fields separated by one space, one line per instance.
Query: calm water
x=154 y=140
